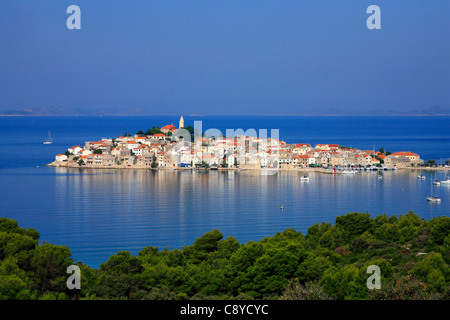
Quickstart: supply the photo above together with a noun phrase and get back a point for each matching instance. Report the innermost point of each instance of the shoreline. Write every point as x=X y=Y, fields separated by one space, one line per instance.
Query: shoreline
x=319 y=170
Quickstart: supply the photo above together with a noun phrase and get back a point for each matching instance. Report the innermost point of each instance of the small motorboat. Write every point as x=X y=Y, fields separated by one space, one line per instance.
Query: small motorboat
x=445 y=181
x=436 y=182
x=282 y=207
x=304 y=179
x=421 y=177
x=434 y=199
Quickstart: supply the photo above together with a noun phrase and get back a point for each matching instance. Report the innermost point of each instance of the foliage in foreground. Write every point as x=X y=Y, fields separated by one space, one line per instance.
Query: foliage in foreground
x=329 y=262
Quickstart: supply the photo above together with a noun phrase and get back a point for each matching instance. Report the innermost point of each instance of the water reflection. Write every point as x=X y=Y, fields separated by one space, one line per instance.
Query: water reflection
x=98 y=212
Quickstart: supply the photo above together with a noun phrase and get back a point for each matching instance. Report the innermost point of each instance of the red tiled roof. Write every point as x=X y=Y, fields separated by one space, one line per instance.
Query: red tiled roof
x=169 y=127
x=405 y=154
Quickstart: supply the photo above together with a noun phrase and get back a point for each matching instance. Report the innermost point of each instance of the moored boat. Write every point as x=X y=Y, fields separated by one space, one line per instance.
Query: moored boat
x=434 y=199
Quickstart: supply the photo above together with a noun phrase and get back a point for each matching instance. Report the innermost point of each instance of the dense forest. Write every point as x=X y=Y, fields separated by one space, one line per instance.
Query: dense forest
x=329 y=262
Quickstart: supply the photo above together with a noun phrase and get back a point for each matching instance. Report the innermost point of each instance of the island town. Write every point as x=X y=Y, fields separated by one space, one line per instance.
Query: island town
x=159 y=148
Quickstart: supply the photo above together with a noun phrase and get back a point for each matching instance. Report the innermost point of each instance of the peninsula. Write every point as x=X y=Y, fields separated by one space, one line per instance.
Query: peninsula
x=161 y=148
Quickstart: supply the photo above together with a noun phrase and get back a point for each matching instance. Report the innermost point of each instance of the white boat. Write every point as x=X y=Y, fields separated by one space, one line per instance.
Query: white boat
x=421 y=177
x=349 y=172
x=446 y=181
x=380 y=176
x=49 y=141
x=434 y=199
x=436 y=182
x=304 y=179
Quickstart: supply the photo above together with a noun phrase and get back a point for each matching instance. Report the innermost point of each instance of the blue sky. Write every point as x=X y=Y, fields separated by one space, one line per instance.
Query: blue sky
x=225 y=57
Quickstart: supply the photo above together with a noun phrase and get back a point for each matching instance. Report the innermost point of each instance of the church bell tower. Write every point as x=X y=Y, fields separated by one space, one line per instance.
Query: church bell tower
x=181 y=125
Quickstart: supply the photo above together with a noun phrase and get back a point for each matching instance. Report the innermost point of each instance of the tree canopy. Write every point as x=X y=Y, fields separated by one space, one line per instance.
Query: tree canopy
x=329 y=262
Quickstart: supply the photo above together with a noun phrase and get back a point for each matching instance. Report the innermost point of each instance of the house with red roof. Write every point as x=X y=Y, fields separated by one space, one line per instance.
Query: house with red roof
x=60 y=158
x=132 y=144
x=168 y=128
x=403 y=159
x=158 y=136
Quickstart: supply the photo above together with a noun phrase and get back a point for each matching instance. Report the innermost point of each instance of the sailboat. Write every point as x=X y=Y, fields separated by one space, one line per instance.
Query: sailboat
x=447 y=181
x=49 y=141
x=433 y=199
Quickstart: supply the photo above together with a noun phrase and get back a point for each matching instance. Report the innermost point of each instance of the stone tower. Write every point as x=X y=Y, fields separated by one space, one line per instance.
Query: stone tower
x=181 y=125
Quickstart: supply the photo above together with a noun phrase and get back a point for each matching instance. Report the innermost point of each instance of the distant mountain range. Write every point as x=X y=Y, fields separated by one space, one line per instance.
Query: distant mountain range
x=57 y=111
x=431 y=111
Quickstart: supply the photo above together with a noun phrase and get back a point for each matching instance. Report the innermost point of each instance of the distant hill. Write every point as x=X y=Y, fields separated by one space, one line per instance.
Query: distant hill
x=42 y=111
x=431 y=111
x=434 y=111
x=57 y=111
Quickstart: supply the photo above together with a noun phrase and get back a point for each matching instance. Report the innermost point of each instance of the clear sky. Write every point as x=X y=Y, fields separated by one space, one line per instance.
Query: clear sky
x=225 y=56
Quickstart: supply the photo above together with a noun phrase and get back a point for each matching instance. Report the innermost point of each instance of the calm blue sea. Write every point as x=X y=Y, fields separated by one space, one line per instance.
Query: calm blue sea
x=99 y=212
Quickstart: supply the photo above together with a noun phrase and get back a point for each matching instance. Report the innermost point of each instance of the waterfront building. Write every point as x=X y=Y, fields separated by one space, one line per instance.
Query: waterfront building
x=403 y=159
x=60 y=158
x=413 y=157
